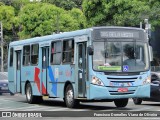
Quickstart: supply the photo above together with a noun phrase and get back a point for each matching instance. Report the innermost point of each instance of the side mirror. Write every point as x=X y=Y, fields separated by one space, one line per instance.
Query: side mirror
x=150 y=53
x=90 y=50
x=150 y=41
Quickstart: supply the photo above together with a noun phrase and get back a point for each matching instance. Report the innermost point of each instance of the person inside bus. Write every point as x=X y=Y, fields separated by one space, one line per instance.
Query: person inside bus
x=131 y=59
x=69 y=55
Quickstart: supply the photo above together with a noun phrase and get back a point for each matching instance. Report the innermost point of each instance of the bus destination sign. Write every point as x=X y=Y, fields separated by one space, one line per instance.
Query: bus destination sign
x=118 y=34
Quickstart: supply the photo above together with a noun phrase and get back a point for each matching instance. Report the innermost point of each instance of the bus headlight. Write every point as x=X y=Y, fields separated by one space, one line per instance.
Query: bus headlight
x=97 y=81
x=147 y=80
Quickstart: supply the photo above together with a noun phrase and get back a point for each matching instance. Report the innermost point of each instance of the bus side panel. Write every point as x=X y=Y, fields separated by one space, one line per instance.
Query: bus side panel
x=11 y=79
x=31 y=74
x=58 y=76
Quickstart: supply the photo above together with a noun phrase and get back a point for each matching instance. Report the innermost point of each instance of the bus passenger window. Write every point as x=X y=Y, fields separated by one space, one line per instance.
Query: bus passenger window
x=56 y=52
x=26 y=55
x=34 y=54
x=68 y=51
x=11 y=56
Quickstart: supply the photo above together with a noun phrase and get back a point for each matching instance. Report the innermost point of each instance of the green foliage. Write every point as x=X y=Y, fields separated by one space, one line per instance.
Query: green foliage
x=7 y=16
x=78 y=15
x=29 y=19
x=154 y=14
x=117 y=12
x=40 y=19
x=65 y=4
x=1 y=3
x=18 y=4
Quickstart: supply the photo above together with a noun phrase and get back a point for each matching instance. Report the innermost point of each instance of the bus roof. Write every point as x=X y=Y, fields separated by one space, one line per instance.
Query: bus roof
x=65 y=35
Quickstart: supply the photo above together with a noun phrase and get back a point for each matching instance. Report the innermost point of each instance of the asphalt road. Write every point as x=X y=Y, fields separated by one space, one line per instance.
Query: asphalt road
x=18 y=103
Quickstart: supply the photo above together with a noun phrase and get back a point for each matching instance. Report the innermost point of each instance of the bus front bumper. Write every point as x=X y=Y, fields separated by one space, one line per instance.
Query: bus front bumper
x=100 y=92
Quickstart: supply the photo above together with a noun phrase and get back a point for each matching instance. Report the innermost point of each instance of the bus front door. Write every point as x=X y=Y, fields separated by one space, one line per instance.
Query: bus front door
x=82 y=69
x=18 y=71
x=45 y=64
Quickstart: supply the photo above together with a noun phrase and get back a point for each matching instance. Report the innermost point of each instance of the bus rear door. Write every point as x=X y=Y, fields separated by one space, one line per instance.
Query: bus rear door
x=18 y=71
x=45 y=64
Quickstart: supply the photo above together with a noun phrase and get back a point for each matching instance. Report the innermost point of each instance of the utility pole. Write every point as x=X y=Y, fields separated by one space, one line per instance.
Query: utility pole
x=1 y=38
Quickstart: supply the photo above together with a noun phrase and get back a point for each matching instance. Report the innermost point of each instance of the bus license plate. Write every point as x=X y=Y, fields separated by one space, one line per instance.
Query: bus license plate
x=122 y=89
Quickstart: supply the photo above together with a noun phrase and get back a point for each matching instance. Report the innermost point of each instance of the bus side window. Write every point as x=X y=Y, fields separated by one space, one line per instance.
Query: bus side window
x=26 y=55
x=11 y=57
x=34 y=54
x=56 y=52
x=68 y=51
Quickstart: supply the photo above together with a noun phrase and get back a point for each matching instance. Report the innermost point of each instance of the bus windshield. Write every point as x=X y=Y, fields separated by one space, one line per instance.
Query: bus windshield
x=118 y=56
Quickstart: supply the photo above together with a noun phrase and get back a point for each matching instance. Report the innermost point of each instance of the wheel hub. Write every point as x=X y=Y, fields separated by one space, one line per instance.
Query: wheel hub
x=29 y=93
x=70 y=96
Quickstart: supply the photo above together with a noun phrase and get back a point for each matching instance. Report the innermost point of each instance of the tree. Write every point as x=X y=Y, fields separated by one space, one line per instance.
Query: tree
x=7 y=15
x=44 y=21
x=154 y=14
x=117 y=12
x=7 y=18
x=78 y=15
x=65 y=4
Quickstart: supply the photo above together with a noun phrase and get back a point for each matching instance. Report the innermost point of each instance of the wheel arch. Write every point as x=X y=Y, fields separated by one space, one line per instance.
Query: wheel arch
x=65 y=86
x=27 y=81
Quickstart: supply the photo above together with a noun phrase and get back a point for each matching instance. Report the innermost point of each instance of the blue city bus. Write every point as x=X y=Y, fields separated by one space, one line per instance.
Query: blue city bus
x=84 y=65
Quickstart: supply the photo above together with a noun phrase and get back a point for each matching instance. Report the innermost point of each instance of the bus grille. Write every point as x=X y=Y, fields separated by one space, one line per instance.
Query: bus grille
x=120 y=79
x=122 y=82
x=121 y=93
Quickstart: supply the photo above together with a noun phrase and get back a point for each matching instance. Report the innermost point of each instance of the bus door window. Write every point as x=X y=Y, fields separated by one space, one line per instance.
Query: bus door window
x=18 y=60
x=44 y=60
x=81 y=69
x=18 y=71
x=45 y=57
x=80 y=57
x=45 y=63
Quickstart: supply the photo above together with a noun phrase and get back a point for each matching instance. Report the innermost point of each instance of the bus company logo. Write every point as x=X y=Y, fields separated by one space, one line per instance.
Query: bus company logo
x=27 y=73
x=6 y=114
x=68 y=73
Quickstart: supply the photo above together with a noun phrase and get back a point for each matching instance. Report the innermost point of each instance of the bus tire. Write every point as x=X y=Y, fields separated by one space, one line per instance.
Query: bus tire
x=11 y=93
x=69 y=97
x=121 y=102
x=137 y=101
x=29 y=95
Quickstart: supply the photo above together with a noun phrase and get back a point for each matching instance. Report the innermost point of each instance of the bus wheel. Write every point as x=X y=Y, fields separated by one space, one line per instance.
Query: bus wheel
x=121 y=102
x=29 y=96
x=11 y=93
x=137 y=101
x=69 y=97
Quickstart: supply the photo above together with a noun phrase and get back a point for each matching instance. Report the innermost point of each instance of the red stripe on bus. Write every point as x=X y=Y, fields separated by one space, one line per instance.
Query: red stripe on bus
x=43 y=89
x=36 y=77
